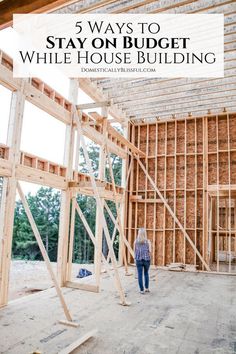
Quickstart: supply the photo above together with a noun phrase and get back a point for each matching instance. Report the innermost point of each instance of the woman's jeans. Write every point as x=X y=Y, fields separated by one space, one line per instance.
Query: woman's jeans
x=143 y=266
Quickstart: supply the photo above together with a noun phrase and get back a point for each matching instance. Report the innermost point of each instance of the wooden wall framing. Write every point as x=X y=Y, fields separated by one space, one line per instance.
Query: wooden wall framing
x=16 y=165
x=189 y=160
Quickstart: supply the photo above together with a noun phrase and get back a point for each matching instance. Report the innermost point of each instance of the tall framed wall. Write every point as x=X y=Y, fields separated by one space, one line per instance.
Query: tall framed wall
x=17 y=165
x=193 y=163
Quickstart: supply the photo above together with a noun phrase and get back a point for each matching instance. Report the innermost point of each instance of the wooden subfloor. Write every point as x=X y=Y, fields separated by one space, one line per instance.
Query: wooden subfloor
x=184 y=313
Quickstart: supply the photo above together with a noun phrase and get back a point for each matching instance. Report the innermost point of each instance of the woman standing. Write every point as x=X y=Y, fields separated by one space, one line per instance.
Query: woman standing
x=142 y=250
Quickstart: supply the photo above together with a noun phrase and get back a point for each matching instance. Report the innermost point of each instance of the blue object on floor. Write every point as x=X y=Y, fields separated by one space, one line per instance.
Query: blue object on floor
x=83 y=273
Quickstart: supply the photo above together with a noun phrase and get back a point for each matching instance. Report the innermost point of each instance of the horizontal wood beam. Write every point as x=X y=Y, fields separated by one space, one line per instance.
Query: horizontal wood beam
x=34 y=169
x=85 y=184
x=5 y=168
x=217 y=108
x=82 y=286
x=36 y=91
x=93 y=105
x=192 y=117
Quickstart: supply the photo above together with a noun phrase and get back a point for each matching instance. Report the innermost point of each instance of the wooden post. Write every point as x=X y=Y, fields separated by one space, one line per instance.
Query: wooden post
x=44 y=253
x=71 y=241
x=185 y=187
x=63 y=238
x=121 y=230
x=123 y=202
x=229 y=220
x=131 y=252
x=98 y=227
x=175 y=176
x=130 y=187
x=217 y=201
x=9 y=189
x=205 y=185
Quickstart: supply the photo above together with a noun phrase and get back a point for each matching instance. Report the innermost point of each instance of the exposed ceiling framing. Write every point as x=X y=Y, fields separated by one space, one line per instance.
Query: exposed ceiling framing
x=146 y=98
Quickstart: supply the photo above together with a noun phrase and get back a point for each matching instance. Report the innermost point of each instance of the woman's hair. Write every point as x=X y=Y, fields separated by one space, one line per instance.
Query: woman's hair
x=142 y=235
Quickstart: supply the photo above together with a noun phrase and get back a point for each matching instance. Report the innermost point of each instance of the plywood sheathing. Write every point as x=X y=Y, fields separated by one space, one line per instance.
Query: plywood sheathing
x=175 y=160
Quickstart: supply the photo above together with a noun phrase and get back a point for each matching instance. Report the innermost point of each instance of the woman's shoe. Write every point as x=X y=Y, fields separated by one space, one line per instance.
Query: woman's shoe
x=142 y=292
x=147 y=291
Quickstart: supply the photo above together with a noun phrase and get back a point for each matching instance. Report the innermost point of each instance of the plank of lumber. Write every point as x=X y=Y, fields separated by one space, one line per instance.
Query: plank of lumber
x=134 y=198
x=82 y=286
x=93 y=105
x=86 y=184
x=78 y=342
x=148 y=200
x=5 y=168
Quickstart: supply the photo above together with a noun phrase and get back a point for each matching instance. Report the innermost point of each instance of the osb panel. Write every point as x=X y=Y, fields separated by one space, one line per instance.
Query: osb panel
x=191 y=136
x=151 y=195
x=180 y=206
x=161 y=139
x=212 y=134
x=199 y=171
x=189 y=249
x=151 y=171
x=133 y=214
x=170 y=138
x=150 y=237
x=223 y=168
x=159 y=215
x=152 y=140
x=180 y=136
x=160 y=172
x=232 y=131
x=169 y=247
x=159 y=248
x=150 y=215
x=135 y=168
x=169 y=218
x=179 y=246
x=199 y=245
x=141 y=179
x=191 y=172
x=212 y=169
x=170 y=170
x=199 y=209
x=143 y=138
x=190 y=210
x=233 y=167
x=133 y=237
x=223 y=133
x=199 y=135
x=140 y=218
x=180 y=172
